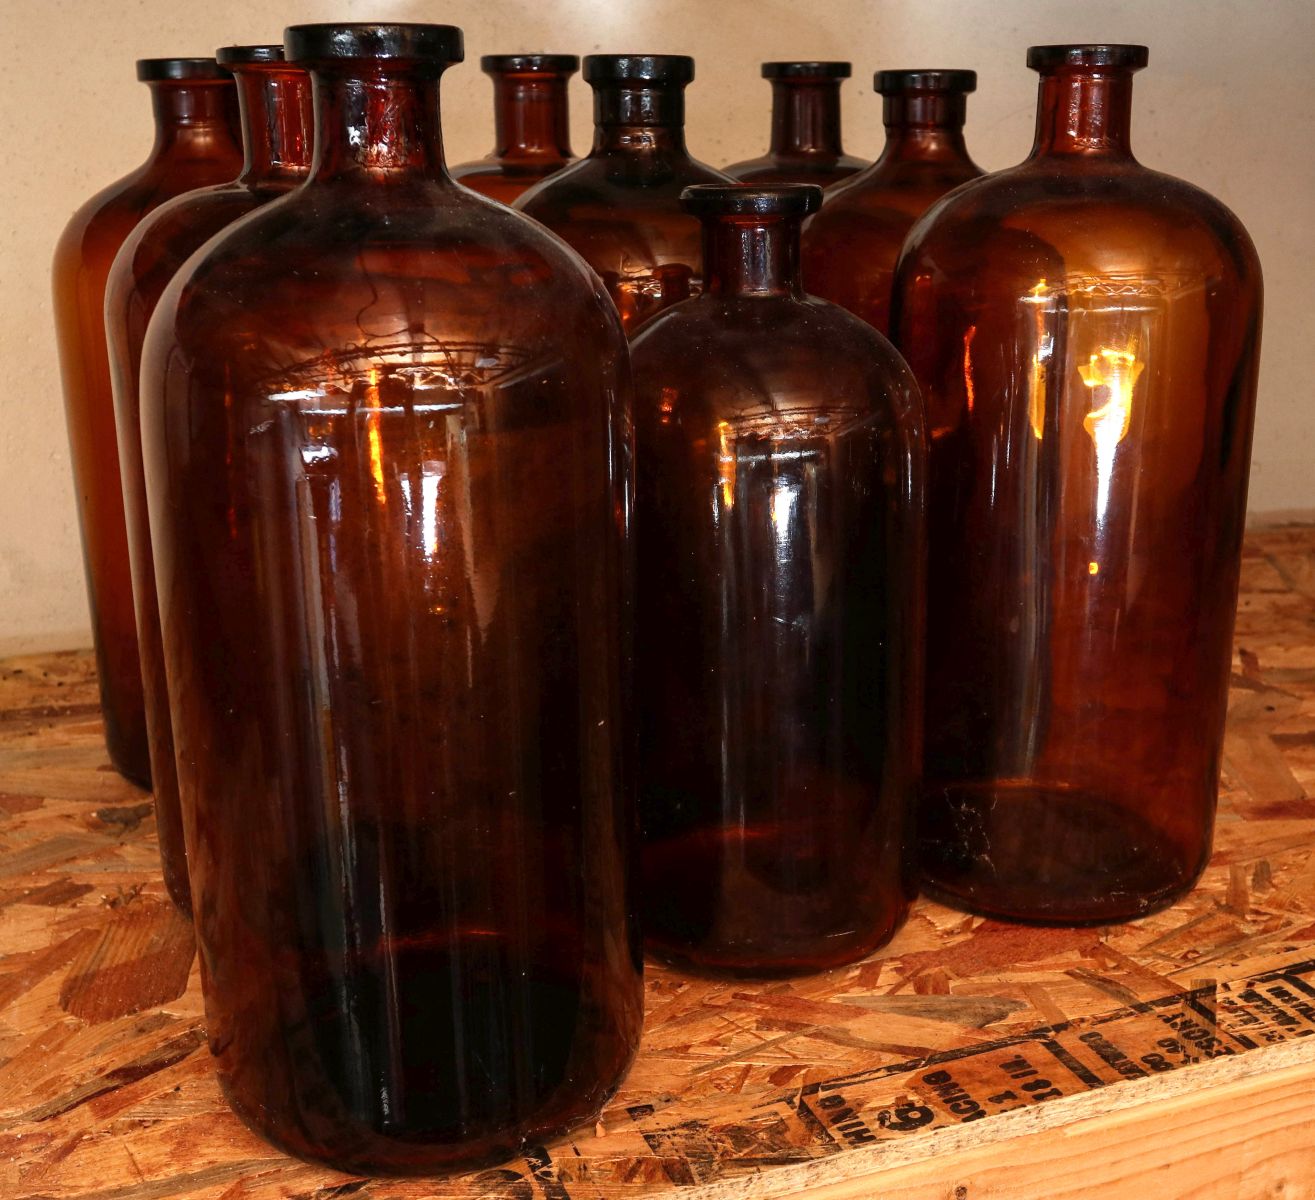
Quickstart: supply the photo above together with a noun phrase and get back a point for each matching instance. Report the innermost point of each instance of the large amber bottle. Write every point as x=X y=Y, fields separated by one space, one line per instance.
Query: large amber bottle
x=385 y=422
x=194 y=146
x=620 y=206
x=532 y=124
x=1085 y=332
x=274 y=100
x=852 y=245
x=806 y=145
x=778 y=542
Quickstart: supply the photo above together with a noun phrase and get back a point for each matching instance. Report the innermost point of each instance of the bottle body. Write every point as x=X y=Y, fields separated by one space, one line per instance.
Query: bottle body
x=806 y=144
x=195 y=154
x=778 y=528
x=851 y=247
x=386 y=663
x=274 y=98
x=619 y=207
x=1086 y=342
x=532 y=120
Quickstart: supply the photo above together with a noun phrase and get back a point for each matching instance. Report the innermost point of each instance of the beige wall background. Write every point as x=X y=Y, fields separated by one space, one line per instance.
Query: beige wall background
x=1227 y=103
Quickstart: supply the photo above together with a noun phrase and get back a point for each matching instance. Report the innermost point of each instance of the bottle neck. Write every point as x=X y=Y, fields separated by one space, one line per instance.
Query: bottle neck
x=806 y=117
x=925 y=127
x=275 y=102
x=531 y=117
x=751 y=256
x=634 y=119
x=1084 y=112
x=383 y=123
x=194 y=116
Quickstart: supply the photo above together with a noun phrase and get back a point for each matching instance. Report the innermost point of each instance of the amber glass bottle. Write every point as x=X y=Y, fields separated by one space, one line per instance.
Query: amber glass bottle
x=531 y=115
x=778 y=544
x=194 y=146
x=1085 y=332
x=805 y=145
x=274 y=98
x=620 y=206
x=852 y=245
x=394 y=682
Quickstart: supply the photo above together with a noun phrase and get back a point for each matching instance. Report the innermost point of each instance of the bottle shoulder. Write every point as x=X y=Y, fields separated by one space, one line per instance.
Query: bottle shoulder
x=616 y=181
x=106 y=216
x=826 y=170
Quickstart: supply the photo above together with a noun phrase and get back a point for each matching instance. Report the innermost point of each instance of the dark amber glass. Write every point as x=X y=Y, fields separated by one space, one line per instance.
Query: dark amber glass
x=852 y=245
x=1085 y=331
x=274 y=98
x=384 y=423
x=805 y=146
x=778 y=544
x=620 y=206
x=532 y=126
x=194 y=146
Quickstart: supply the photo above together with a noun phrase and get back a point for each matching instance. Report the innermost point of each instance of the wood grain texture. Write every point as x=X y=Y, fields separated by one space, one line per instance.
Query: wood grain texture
x=970 y=1060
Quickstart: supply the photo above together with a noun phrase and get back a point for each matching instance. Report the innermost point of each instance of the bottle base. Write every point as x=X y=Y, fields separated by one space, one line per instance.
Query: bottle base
x=1049 y=855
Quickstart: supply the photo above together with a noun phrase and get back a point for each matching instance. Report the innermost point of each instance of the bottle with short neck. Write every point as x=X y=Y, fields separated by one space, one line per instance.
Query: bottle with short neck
x=749 y=250
x=1084 y=107
x=274 y=101
x=851 y=246
x=193 y=102
x=531 y=117
x=640 y=116
x=805 y=144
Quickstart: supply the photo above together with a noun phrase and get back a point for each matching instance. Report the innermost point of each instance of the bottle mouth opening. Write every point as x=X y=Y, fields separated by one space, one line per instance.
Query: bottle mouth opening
x=530 y=64
x=403 y=43
x=153 y=70
x=924 y=79
x=748 y=200
x=241 y=56
x=1058 y=58
x=638 y=68
x=807 y=70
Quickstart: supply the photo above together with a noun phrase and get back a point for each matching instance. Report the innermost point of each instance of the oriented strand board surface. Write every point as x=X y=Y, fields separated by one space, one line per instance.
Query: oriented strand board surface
x=969 y=1060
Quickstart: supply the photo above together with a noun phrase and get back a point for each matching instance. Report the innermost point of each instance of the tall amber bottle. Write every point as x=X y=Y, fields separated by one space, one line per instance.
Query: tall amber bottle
x=806 y=145
x=1085 y=331
x=194 y=146
x=778 y=543
x=532 y=124
x=384 y=422
x=274 y=99
x=852 y=245
x=620 y=206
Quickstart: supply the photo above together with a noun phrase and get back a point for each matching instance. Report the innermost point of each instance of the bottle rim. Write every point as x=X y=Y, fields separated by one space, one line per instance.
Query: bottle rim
x=155 y=70
x=546 y=64
x=237 y=56
x=807 y=70
x=638 y=68
x=924 y=79
x=364 y=40
x=752 y=200
x=1126 y=56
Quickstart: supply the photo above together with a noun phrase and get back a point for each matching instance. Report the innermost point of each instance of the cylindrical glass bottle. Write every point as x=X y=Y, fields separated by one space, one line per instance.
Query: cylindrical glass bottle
x=1085 y=331
x=394 y=682
x=274 y=98
x=778 y=544
x=532 y=124
x=852 y=245
x=805 y=146
x=620 y=205
x=194 y=146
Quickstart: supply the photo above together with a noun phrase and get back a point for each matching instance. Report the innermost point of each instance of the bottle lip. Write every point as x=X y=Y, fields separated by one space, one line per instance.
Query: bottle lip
x=748 y=200
x=1129 y=57
x=924 y=79
x=238 y=56
x=154 y=70
x=431 y=43
x=807 y=70
x=546 y=64
x=638 y=68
